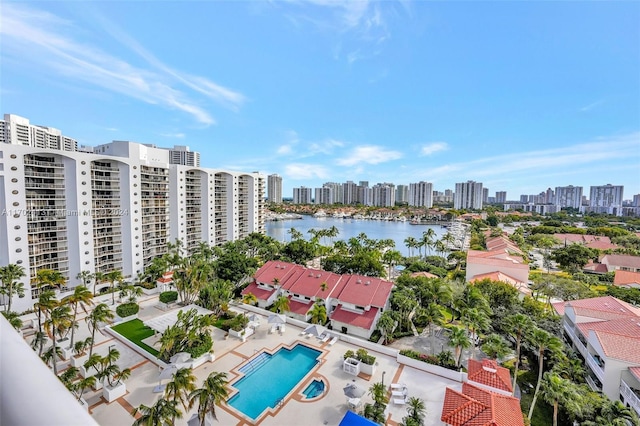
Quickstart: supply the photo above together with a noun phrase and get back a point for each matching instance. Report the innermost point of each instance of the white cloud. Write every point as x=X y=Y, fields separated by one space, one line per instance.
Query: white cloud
x=306 y=171
x=284 y=150
x=369 y=154
x=327 y=146
x=433 y=147
x=34 y=36
x=592 y=105
x=173 y=135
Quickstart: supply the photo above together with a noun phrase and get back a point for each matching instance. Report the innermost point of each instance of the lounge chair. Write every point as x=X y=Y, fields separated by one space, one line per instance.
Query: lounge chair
x=402 y=393
x=272 y=329
x=398 y=386
x=400 y=401
x=326 y=338
x=332 y=341
x=282 y=328
x=302 y=333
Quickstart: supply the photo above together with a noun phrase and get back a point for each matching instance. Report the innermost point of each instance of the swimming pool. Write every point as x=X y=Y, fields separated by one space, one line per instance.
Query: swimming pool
x=315 y=389
x=269 y=378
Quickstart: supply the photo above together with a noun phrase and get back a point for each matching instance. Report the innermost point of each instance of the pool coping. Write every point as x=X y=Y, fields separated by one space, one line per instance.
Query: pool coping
x=301 y=397
x=294 y=394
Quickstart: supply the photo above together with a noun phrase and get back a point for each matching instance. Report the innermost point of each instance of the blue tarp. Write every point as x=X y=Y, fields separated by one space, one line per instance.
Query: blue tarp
x=352 y=419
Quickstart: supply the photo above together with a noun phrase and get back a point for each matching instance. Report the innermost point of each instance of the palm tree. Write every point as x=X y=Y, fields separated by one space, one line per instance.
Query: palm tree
x=46 y=302
x=80 y=298
x=496 y=347
x=411 y=243
x=10 y=283
x=518 y=325
x=47 y=278
x=99 y=277
x=614 y=413
x=556 y=390
x=100 y=314
x=179 y=388
x=433 y=316
x=543 y=340
x=85 y=277
x=113 y=277
x=318 y=313
x=13 y=318
x=281 y=304
x=249 y=299
x=386 y=324
x=391 y=258
x=427 y=239
x=475 y=320
x=212 y=392
x=162 y=413
x=459 y=340
x=416 y=411
x=58 y=323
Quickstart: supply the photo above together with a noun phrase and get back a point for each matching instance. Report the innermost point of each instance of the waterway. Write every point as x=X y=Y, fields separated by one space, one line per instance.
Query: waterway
x=348 y=228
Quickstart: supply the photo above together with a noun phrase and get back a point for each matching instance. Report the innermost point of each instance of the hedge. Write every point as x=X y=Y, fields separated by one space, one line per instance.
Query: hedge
x=168 y=296
x=127 y=309
x=205 y=346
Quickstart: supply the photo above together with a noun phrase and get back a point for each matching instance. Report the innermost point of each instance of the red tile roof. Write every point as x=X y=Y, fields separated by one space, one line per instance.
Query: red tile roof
x=619 y=347
x=559 y=307
x=298 y=307
x=501 y=277
x=635 y=371
x=596 y=267
x=274 y=269
x=621 y=260
x=477 y=407
x=606 y=307
x=365 y=291
x=626 y=278
x=489 y=373
x=258 y=292
x=308 y=283
x=364 y=320
x=508 y=262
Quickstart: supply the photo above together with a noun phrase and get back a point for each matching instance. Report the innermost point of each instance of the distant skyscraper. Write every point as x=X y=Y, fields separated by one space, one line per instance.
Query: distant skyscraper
x=606 y=199
x=421 y=194
x=468 y=195
x=402 y=194
x=501 y=197
x=549 y=196
x=323 y=196
x=636 y=200
x=181 y=154
x=274 y=188
x=384 y=194
x=524 y=199
x=350 y=192
x=568 y=196
x=16 y=130
x=485 y=195
x=302 y=195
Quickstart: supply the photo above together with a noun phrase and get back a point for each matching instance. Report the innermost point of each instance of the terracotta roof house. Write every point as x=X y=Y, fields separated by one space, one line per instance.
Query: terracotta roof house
x=605 y=331
x=627 y=279
x=623 y=262
x=475 y=406
x=504 y=263
x=423 y=274
x=591 y=241
x=488 y=375
x=358 y=303
x=354 y=302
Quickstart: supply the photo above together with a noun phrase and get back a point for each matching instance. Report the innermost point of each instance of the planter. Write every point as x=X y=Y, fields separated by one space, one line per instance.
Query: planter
x=125 y=319
x=150 y=291
x=112 y=393
x=208 y=357
x=98 y=384
x=367 y=369
x=78 y=361
x=67 y=353
x=166 y=306
x=242 y=334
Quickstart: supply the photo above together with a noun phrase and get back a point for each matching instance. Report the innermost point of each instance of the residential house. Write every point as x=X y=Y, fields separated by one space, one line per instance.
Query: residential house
x=605 y=331
x=626 y=279
x=268 y=280
x=488 y=375
x=312 y=285
x=614 y=262
x=591 y=241
x=475 y=406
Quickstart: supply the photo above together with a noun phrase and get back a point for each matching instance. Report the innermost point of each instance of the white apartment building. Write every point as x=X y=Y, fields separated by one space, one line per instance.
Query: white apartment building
x=468 y=195
x=501 y=197
x=568 y=196
x=384 y=195
x=274 y=188
x=302 y=195
x=421 y=194
x=114 y=209
x=605 y=332
x=181 y=154
x=606 y=199
x=17 y=130
x=323 y=196
x=402 y=194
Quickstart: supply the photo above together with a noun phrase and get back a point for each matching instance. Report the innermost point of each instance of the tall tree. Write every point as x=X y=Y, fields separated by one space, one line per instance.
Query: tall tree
x=180 y=386
x=555 y=391
x=386 y=324
x=518 y=326
x=459 y=340
x=543 y=341
x=162 y=413
x=58 y=323
x=46 y=302
x=428 y=239
x=10 y=284
x=100 y=314
x=318 y=313
x=433 y=316
x=416 y=411
x=86 y=277
x=411 y=244
x=496 y=347
x=281 y=304
x=213 y=392
x=81 y=297
x=113 y=277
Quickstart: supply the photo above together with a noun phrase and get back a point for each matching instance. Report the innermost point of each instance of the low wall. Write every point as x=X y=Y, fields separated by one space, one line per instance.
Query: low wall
x=385 y=350
x=431 y=368
x=135 y=347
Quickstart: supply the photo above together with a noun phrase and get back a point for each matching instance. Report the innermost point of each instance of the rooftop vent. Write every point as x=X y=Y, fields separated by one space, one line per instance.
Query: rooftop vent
x=318 y=276
x=367 y=283
x=359 y=281
x=489 y=369
x=310 y=274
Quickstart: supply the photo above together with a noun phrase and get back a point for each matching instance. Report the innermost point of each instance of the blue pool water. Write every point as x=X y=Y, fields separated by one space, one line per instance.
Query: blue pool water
x=314 y=389
x=269 y=378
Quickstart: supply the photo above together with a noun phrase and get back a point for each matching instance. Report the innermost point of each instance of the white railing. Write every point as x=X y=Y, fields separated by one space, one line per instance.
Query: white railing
x=593 y=384
x=597 y=370
x=630 y=397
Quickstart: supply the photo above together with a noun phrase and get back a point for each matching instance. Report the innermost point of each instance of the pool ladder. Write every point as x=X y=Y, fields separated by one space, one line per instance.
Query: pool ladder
x=280 y=402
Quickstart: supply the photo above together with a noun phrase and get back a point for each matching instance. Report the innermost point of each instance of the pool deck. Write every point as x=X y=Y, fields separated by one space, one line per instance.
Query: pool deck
x=327 y=409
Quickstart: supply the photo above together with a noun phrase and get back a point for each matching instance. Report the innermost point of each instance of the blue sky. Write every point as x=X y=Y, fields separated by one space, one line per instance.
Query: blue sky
x=518 y=95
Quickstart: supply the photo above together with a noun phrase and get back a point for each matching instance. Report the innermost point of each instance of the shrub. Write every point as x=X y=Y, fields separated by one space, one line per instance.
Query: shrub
x=202 y=348
x=127 y=309
x=443 y=359
x=148 y=286
x=349 y=354
x=168 y=296
x=361 y=355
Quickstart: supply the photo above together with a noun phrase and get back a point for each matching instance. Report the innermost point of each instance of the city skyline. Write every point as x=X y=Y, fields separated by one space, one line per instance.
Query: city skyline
x=519 y=96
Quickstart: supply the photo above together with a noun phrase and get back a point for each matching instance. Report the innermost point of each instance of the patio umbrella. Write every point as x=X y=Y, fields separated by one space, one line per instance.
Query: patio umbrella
x=315 y=330
x=165 y=374
x=254 y=318
x=277 y=319
x=353 y=391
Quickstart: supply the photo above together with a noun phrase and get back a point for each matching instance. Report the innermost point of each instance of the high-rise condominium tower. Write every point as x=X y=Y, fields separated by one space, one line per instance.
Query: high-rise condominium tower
x=568 y=196
x=274 y=188
x=468 y=195
x=421 y=194
x=606 y=199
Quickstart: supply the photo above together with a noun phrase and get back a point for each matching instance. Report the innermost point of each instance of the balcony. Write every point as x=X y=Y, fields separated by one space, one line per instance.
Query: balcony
x=594 y=386
x=597 y=366
x=630 y=396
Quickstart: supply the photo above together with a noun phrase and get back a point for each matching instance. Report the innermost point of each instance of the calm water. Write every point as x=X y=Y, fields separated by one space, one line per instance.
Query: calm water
x=348 y=228
x=266 y=385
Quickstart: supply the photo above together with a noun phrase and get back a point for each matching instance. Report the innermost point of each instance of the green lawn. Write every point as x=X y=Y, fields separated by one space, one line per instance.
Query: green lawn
x=136 y=332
